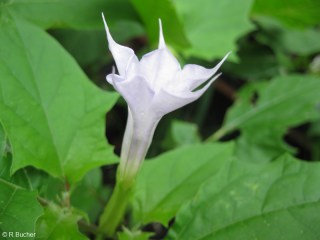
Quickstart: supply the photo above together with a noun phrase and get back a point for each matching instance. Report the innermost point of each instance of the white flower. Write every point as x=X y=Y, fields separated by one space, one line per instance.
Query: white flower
x=152 y=87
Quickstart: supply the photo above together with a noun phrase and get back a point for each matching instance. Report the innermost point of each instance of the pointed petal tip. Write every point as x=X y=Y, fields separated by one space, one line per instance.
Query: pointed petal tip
x=109 y=79
x=110 y=76
x=226 y=56
x=216 y=76
x=109 y=37
x=220 y=63
x=202 y=90
x=213 y=70
x=104 y=21
x=162 y=43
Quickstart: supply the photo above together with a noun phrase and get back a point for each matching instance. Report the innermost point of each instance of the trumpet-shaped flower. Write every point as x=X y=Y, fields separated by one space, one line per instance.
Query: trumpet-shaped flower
x=152 y=87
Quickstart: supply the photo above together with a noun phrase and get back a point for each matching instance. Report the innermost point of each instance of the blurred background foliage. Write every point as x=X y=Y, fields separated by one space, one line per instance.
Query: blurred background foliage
x=265 y=100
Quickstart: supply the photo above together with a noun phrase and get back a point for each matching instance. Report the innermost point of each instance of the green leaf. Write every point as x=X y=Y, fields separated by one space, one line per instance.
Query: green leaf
x=81 y=14
x=87 y=46
x=283 y=103
x=89 y=195
x=277 y=201
x=58 y=223
x=181 y=133
x=277 y=103
x=32 y=179
x=3 y=142
x=173 y=178
x=302 y=42
x=85 y=42
x=294 y=13
x=151 y=10
x=20 y=178
x=134 y=235
x=256 y=62
x=19 y=209
x=53 y=116
x=314 y=67
x=314 y=135
x=264 y=146
x=213 y=27
x=185 y=133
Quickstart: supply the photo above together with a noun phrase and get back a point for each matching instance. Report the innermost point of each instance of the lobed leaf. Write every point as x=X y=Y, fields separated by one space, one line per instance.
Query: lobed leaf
x=293 y=13
x=53 y=116
x=79 y=14
x=174 y=177
x=133 y=235
x=213 y=27
x=3 y=142
x=283 y=103
x=19 y=209
x=250 y=201
x=276 y=104
x=89 y=195
x=57 y=223
x=301 y=42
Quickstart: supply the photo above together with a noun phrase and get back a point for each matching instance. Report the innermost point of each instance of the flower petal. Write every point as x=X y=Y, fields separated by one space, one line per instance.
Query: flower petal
x=121 y=54
x=165 y=102
x=135 y=91
x=194 y=75
x=162 y=43
x=201 y=91
x=159 y=67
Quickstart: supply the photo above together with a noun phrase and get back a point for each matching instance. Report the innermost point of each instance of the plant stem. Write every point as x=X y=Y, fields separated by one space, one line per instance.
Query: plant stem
x=217 y=135
x=86 y=227
x=115 y=209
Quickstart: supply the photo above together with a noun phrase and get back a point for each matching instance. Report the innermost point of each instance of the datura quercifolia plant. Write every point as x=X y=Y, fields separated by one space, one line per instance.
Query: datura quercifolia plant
x=152 y=87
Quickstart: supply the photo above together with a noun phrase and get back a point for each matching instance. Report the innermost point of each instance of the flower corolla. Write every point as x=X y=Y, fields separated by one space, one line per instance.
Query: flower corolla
x=152 y=87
